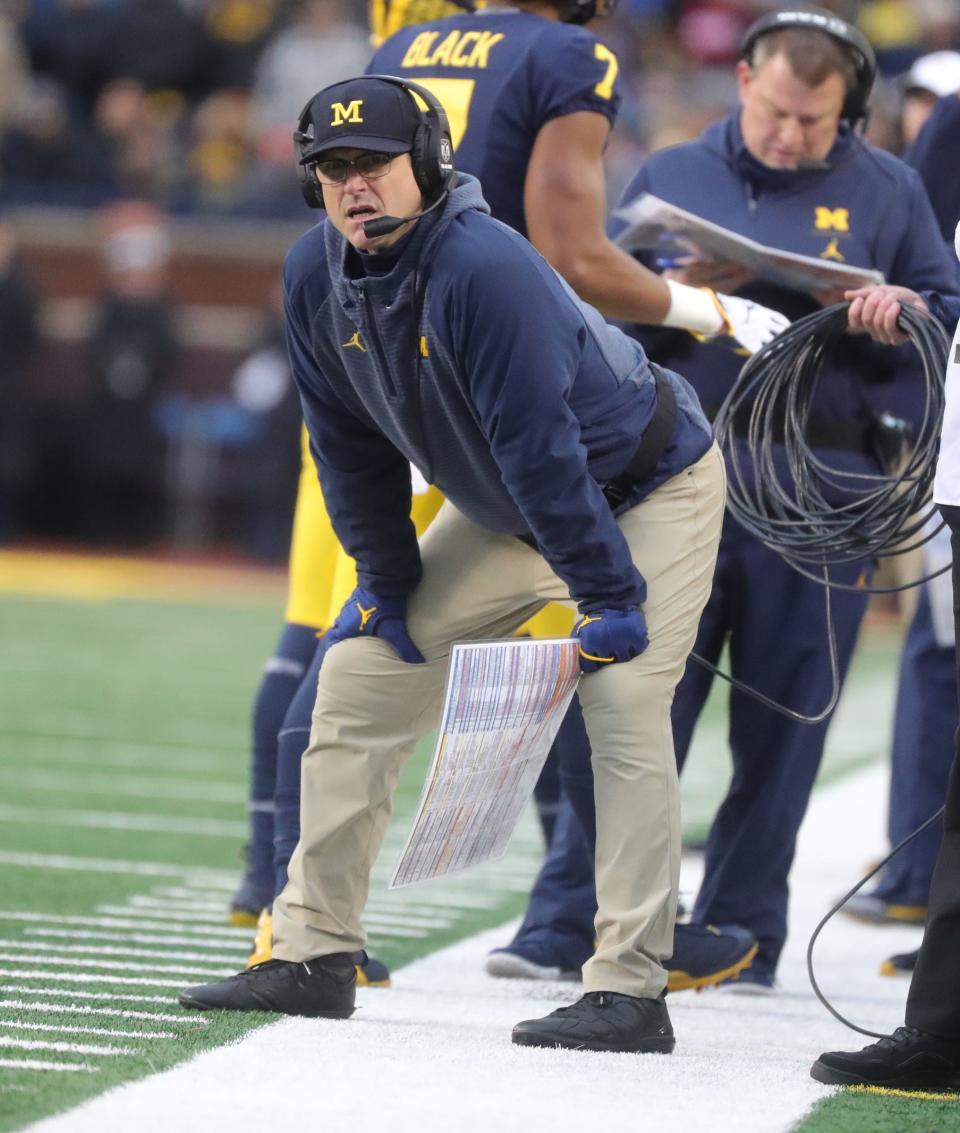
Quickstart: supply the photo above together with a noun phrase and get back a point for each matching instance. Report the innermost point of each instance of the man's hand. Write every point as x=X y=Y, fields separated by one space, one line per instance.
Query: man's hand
x=875 y=311
x=609 y=636
x=749 y=323
x=366 y=615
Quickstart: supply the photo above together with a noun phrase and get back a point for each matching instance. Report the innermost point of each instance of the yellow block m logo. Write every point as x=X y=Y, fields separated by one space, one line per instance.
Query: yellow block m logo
x=349 y=113
x=836 y=220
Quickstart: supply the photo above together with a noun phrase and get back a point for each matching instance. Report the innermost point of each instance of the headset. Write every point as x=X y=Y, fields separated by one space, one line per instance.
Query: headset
x=818 y=19
x=431 y=153
x=581 y=11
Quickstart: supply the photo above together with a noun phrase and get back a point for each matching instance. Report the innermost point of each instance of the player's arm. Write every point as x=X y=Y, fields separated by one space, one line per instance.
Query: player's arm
x=565 y=206
x=565 y=203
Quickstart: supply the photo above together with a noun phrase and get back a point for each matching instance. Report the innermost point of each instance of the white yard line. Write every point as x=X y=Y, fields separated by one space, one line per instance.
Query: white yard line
x=85 y=978
x=121 y=820
x=434 y=1053
x=110 y=965
x=79 y=1029
x=239 y=945
x=137 y=786
x=31 y=950
x=55 y=1067
x=193 y=1019
x=109 y=865
x=7 y=1042
x=227 y=932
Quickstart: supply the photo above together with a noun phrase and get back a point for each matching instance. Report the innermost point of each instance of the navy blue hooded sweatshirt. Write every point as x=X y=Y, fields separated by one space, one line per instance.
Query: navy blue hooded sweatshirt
x=473 y=360
x=865 y=209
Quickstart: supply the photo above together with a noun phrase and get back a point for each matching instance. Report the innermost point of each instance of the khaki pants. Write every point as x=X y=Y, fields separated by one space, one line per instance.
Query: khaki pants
x=372 y=708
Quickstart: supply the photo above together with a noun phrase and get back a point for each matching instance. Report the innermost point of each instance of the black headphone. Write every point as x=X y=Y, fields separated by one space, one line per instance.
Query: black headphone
x=581 y=11
x=818 y=19
x=431 y=153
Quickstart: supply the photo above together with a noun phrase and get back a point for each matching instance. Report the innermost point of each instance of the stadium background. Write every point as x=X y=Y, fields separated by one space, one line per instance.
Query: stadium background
x=148 y=461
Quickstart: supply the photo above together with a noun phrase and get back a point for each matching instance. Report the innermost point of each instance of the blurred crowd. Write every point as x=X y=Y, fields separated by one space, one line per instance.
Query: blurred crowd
x=187 y=107
x=189 y=103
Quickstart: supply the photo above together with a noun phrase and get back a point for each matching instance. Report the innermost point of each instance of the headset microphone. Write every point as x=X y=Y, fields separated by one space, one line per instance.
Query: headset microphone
x=384 y=225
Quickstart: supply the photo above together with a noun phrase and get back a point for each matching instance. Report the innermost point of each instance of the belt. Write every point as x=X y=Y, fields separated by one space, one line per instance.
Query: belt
x=656 y=436
x=819 y=432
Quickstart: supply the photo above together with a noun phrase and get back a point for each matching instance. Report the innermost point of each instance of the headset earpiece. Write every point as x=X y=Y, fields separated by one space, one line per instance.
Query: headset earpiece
x=818 y=19
x=431 y=153
x=302 y=139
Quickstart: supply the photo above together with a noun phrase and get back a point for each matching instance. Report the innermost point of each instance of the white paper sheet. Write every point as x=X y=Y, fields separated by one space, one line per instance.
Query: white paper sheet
x=504 y=703
x=654 y=224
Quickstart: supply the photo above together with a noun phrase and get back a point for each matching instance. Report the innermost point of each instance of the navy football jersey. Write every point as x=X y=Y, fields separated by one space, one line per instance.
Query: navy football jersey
x=501 y=75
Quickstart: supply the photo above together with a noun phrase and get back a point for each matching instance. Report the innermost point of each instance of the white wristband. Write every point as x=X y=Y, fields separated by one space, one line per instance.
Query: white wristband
x=692 y=308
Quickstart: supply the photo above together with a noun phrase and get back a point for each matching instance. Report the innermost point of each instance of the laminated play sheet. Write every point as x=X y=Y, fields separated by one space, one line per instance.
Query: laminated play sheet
x=504 y=703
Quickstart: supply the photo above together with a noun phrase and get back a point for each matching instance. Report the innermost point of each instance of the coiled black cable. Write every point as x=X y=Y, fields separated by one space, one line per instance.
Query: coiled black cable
x=813 y=515
x=817 y=515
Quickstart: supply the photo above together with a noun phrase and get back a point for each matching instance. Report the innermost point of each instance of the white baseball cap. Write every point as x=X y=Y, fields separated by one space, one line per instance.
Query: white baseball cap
x=938 y=73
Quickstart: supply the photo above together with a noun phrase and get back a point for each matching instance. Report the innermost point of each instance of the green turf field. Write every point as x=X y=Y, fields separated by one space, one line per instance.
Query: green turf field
x=123 y=765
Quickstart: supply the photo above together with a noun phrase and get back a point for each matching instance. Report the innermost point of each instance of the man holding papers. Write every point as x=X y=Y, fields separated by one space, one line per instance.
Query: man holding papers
x=789 y=171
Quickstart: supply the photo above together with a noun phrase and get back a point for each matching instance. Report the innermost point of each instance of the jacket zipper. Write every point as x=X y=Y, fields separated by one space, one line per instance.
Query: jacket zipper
x=376 y=346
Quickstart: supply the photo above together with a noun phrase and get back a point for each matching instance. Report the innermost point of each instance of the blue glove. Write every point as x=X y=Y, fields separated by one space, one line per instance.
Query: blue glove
x=366 y=615
x=608 y=636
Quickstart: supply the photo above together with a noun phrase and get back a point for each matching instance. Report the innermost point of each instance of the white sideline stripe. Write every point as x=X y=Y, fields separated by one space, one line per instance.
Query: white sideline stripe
x=121 y=820
x=112 y=996
x=84 y=978
x=79 y=1029
x=104 y=865
x=742 y=1064
x=73 y=1009
x=113 y=966
x=37 y=1064
x=107 y=1051
x=226 y=931
x=140 y=938
x=37 y=946
x=137 y=786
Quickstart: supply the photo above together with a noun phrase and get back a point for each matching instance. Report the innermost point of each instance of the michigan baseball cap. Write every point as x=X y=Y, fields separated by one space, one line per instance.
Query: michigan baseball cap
x=938 y=73
x=362 y=114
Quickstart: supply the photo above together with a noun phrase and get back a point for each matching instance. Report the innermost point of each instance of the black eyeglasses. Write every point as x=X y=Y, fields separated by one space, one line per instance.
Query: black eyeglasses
x=370 y=165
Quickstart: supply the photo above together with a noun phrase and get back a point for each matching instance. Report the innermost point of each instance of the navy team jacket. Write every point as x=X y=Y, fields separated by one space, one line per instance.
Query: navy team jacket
x=867 y=209
x=473 y=360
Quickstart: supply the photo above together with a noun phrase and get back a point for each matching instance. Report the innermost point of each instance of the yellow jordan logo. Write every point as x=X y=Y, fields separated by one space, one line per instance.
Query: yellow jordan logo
x=354 y=340
x=832 y=252
x=365 y=615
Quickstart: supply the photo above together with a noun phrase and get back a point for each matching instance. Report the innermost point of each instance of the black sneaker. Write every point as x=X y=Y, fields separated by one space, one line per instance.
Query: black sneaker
x=906 y=1060
x=900 y=963
x=603 y=1020
x=321 y=988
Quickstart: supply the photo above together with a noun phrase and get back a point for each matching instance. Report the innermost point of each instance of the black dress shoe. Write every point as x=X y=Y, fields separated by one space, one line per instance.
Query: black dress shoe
x=603 y=1020
x=906 y=1060
x=325 y=988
